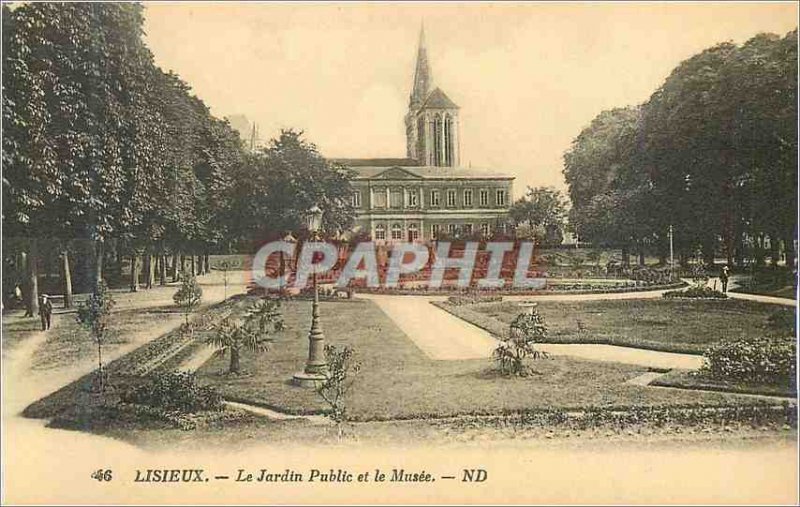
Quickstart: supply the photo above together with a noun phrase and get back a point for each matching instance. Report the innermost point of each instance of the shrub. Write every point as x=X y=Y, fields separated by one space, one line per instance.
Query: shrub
x=514 y=350
x=783 y=320
x=695 y=292
x=756 y=360
x=343 y=368
x=469 y=299
x=174 y=391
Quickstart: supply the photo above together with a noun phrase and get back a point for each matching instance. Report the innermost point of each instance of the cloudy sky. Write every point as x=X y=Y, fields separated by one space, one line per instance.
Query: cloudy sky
x=528 y=77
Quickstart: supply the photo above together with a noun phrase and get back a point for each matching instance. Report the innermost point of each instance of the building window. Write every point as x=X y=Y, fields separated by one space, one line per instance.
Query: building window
x=397 y=232
x=396 y=198
x=484 y=198
x=434 y=231
x=468 y=229
x=412 y=198
x=501 y=197
x=451 y=229
x=413 y=232
x=434 y=198
x=380 y=232
x=485 y=230
x=356 y=199
x=451 y=198
x=379 y=195
x=467 y=197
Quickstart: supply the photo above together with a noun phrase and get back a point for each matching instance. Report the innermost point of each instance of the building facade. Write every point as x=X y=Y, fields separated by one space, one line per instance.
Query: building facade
x=427 y=195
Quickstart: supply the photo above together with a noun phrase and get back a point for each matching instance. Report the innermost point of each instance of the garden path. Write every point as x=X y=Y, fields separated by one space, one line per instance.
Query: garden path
x=442 y=336
x=23 y=385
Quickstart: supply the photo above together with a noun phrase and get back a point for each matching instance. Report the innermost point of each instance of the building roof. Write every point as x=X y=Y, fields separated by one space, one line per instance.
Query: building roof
x=426 y=173
x=438 y=100
x=375 y=162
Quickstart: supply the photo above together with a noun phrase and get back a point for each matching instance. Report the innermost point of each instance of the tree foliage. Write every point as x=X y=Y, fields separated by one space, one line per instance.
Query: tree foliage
x=713 y=153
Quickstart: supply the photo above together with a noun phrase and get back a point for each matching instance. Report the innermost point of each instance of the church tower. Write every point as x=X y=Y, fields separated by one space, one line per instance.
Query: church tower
x=432 y=118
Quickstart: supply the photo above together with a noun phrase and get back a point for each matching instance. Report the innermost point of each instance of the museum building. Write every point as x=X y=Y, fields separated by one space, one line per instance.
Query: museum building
x=428 y=193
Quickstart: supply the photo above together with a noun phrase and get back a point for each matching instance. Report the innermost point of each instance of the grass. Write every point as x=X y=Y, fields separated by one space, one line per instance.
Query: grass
x=398 y=381
x=667 y=325
x=696 y=380
x=769 y=282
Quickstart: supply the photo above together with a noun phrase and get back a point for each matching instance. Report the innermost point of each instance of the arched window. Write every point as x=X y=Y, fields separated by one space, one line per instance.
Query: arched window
x=380 y=232
x=413 y=232
x=421 y=139
x=437 y=140
x=448 y=141
x=397 y=232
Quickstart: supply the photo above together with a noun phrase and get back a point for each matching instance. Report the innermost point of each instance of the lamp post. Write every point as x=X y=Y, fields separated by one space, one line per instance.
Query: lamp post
x=316 y=367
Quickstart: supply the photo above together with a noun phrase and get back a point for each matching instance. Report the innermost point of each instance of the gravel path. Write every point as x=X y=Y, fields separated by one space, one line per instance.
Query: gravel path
x=443 y=336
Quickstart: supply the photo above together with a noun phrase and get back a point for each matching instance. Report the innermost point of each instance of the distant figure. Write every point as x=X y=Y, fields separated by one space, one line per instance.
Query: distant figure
x=17 y=295
x=723 y=277
x=45 y=311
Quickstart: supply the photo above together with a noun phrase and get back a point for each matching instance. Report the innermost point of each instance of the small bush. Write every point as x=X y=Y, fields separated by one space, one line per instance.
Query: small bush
x=471 y=299
x=175 y=391
x=695 y=292
x=783 y=320
x=513 y=351
x=755 y=360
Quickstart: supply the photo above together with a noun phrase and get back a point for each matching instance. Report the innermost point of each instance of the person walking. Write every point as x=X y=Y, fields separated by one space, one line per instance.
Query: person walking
x=45 y=312
x=723 y=277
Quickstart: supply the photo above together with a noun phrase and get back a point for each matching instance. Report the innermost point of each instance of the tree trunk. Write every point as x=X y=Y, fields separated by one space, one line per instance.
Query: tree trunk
x=208 y=263
x=175 y=270
x=774 y=251
x=162 y=269
x=67 y=277
x=758 y=253
x=97 y=274
x=234 y=367
x=150 y=270
x=626 y=257
x=193 y=265
x=790 y=253
x=32 y=280
x=117 y=263
x=183 y=264
x=641 y=255
x=134 y=273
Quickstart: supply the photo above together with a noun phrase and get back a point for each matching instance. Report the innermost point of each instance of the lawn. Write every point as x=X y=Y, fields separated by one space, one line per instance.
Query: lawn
x=668 y=325
x=398 y=381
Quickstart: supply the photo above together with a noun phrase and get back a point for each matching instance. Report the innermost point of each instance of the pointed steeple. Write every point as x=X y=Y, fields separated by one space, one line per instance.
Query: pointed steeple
x=422 y=72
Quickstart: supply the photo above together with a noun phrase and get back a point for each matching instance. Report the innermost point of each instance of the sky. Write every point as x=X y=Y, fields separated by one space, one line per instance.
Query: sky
x=528 y=77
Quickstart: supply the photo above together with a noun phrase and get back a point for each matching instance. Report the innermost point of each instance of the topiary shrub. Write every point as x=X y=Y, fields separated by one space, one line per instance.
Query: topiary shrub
x=174 y=392
x=754 y=360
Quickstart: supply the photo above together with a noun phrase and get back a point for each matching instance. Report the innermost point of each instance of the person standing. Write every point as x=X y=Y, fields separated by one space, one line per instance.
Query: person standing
x=723 y=277
x=45 y=312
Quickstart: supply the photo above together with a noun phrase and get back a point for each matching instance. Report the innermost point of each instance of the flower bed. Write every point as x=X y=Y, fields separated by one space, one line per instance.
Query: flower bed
x=754 y=360
x=695 y=293
x=576 y=288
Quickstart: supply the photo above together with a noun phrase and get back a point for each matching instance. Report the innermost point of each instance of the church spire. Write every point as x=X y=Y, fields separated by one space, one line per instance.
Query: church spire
x=422 y=72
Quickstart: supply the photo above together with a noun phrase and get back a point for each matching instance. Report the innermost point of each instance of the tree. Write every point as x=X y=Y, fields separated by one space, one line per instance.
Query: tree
x=188 y=296
x=255 y=333
x=94 y=315
x=265 y=318
x=273 y=189
x=343 y=368
x=544 y=209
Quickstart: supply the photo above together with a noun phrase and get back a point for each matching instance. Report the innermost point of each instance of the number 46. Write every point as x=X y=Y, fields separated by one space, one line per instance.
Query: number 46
x=101 y=475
